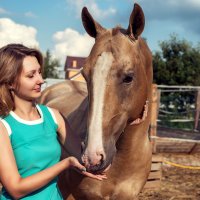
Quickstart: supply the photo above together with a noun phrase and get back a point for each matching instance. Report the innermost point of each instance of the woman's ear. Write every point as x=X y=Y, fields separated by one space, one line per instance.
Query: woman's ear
x=11 y=86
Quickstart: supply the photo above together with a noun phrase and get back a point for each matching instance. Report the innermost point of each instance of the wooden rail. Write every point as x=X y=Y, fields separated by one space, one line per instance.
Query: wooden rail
x=197 y=113
x=155 y=101
x=155 y=176
x=175 y=145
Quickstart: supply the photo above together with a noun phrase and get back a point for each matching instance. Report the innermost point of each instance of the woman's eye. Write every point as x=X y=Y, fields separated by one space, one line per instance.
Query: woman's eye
x=30 y=76
x=128 y=78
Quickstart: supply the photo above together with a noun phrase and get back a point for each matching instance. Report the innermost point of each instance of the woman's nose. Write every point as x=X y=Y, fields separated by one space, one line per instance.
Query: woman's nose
x=40 y=79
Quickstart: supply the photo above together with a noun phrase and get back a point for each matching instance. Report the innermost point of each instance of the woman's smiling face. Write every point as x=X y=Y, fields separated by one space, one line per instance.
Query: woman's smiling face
x=30 y=80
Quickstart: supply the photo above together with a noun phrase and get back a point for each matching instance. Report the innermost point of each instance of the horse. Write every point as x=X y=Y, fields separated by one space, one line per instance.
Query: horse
x=109 y=116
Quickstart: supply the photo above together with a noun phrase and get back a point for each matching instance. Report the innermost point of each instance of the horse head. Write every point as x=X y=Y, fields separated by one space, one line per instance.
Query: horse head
x=118 y=75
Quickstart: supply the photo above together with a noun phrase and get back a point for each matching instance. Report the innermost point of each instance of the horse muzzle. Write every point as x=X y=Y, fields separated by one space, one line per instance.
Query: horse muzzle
x=96 y=162
x=98 y=156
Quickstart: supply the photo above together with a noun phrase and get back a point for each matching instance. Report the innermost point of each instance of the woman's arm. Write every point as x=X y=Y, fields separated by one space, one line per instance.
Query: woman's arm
x=10 y=177
x=62 y=126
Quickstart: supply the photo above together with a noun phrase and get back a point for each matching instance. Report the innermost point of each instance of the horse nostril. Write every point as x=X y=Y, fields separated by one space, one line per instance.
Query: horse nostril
x=102 y=157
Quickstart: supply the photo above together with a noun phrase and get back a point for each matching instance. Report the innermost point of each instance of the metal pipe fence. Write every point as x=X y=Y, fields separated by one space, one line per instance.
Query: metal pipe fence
x=179 y=107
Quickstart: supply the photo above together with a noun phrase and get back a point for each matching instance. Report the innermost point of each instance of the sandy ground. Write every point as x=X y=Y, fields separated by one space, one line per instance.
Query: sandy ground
x=177 y=183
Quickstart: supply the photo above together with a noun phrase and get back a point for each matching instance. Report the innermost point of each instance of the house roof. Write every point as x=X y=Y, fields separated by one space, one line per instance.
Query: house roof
x=73 y=62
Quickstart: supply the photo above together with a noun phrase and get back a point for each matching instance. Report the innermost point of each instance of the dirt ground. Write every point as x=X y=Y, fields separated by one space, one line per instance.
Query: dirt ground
x=177 y=183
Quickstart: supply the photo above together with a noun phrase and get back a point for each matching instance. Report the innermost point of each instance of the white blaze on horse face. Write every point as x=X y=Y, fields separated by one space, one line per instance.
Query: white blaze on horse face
x=95 y=149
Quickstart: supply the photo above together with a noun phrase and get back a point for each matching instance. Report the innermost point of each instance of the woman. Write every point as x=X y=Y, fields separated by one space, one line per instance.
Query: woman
x=29 y=133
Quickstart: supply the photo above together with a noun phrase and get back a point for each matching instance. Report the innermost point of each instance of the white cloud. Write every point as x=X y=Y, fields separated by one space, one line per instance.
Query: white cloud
x=92 y=7
x=11 y=32
x=71 y=43
x=168 y=4
x=3 y=11
x=190 y=3
x=30 y=14
x=101 y=13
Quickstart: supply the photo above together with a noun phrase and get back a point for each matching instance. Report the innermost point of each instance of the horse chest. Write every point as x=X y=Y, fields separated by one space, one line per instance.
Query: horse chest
x=107 y=191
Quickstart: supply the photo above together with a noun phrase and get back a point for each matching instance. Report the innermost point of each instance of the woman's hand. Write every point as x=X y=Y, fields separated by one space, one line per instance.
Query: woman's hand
x=73 y=162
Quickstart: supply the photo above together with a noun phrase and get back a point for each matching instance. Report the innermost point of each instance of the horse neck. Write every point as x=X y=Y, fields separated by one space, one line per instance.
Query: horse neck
x=135 y=141
x=134 y=150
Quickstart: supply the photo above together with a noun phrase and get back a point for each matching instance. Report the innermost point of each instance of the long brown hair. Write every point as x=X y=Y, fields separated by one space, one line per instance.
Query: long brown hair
x=11 y=63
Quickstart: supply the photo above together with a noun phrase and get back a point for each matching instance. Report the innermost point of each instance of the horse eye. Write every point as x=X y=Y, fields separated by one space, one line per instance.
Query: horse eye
x=128 y=78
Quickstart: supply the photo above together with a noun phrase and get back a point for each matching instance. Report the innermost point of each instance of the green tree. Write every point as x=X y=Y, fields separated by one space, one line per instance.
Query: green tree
x=178 y=63
x=50 y=66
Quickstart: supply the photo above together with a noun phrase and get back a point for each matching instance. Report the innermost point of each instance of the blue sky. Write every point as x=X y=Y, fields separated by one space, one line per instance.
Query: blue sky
x=56 y=24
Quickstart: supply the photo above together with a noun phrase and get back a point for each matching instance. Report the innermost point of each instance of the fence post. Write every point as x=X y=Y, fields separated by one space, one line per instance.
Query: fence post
x=197 y=108
x=155 y=102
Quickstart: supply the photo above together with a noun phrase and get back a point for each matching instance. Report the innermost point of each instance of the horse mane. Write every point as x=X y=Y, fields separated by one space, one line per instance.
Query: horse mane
x=118 y=29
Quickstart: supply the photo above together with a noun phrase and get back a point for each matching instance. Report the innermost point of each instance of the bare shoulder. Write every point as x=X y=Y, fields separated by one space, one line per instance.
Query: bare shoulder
x=55 y=112
x=4 y=135
x=58 y=116
x=2 y=128
x=61 y=124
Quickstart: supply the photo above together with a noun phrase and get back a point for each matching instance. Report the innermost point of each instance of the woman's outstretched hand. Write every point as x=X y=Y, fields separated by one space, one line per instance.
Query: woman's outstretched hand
x=73 y=162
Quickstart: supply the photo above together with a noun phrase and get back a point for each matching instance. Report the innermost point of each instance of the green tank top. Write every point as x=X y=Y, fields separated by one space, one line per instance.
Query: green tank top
x=36 y=147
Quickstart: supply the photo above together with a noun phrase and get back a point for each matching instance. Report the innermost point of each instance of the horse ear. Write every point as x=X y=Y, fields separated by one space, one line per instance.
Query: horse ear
x=90 y=25
x=136 y=22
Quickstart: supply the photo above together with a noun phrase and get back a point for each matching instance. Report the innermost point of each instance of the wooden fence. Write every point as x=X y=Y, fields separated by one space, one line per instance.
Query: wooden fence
x=155 y=176
x=172 y=145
